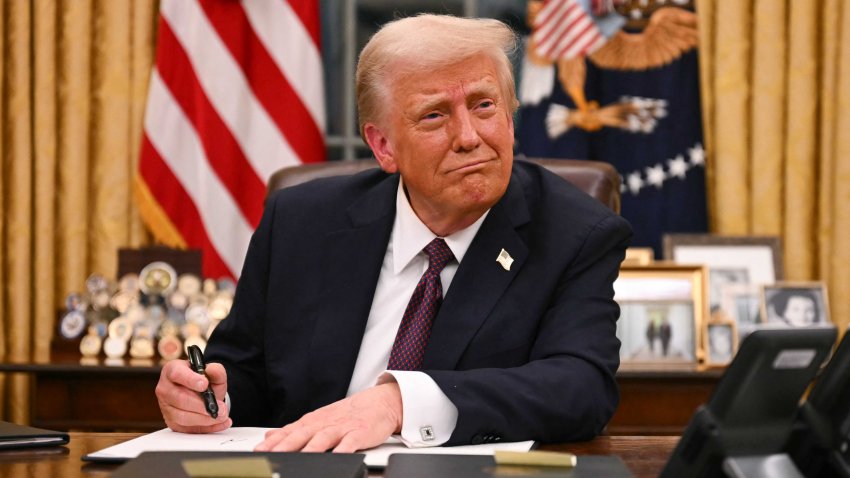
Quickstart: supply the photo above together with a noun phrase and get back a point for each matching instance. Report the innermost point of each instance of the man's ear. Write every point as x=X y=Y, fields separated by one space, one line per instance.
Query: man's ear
x=511 y=125
x=381 y=147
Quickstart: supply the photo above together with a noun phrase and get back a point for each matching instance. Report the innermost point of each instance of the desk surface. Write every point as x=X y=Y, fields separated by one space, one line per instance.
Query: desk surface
x=645 y=456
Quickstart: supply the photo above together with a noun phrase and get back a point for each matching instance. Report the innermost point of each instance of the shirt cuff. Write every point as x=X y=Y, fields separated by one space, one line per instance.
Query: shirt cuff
x=429 y=417
x=227 y=402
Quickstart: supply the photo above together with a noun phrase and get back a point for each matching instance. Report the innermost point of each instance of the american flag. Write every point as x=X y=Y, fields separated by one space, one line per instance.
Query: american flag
x=236 y=94
x=564 y=29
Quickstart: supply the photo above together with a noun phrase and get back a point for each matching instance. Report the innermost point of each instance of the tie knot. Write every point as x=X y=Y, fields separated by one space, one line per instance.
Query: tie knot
x=439 y=255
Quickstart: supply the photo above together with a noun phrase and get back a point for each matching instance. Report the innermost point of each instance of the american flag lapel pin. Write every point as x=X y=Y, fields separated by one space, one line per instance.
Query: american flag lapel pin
x=505 y=259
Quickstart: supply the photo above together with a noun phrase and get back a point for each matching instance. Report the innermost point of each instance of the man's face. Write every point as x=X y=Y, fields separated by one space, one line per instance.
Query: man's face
x=800 y=311
x=449 y=132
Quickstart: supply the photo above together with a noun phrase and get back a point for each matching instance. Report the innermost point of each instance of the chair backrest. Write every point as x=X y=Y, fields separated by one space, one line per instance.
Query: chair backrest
x=596 y=178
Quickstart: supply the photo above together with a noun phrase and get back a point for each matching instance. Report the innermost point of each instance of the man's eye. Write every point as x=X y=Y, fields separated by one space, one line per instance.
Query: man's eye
x=486 y=104
x=431 y=116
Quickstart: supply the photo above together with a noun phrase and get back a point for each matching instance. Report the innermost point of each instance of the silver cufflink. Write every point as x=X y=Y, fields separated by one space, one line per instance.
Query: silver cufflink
x=427 y=433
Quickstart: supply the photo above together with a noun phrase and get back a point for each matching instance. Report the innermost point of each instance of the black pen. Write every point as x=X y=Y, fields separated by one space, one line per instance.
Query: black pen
x=196 y=360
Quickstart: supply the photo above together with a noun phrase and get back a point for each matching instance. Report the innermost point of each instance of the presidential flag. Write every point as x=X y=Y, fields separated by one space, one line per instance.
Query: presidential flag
x=632 y=101
x=236 y=94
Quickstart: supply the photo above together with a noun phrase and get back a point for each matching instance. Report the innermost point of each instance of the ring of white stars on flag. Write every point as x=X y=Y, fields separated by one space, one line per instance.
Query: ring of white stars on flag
x=657 y=174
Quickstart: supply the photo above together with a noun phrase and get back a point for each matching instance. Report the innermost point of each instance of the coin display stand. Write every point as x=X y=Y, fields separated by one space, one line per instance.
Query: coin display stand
x=153 y=314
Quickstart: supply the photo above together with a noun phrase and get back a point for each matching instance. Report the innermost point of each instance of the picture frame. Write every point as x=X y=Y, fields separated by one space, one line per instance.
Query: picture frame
x=721 y=342
x=662 y=309
x=730 y=260
x=741 y=303
x=795 y=304
x=639 y=256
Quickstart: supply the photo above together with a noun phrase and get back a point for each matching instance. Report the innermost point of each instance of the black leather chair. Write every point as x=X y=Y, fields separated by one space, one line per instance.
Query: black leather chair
x=596 y=178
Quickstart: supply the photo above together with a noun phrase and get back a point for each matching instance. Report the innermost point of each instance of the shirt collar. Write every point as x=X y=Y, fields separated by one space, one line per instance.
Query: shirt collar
x=410 y=235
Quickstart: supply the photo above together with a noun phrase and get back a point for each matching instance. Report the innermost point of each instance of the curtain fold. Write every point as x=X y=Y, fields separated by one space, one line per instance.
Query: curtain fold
x=44 y=165
x=74 y=80
x=802 y=171
x=731 y=119
x=3 y=280
x=774 y=111
x=837 y=170
x=17 y=192
x=767 y=148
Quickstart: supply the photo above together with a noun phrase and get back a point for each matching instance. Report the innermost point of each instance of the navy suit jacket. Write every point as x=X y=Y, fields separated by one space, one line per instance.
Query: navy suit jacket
x=525 y=353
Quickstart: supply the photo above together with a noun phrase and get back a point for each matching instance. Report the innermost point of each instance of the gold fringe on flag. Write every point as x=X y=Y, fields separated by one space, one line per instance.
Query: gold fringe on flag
x=155 y=218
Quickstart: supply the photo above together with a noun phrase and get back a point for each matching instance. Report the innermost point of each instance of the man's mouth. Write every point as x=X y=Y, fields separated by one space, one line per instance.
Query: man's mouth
x=472 y=166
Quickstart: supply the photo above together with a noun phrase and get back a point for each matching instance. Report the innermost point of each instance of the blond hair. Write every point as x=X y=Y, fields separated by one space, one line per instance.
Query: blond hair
x=426 y=42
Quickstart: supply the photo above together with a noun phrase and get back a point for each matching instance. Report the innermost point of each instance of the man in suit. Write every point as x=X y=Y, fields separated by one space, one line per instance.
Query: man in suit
x=452 y=297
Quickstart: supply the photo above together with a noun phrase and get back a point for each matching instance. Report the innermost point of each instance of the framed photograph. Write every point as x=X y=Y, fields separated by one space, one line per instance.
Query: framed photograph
x=731 y=260
x=662 y=308
x=721 y=342
x=741 y=304
x=795 y=304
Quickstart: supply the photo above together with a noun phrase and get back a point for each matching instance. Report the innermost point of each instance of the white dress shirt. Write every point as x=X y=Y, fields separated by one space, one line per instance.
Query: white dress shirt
x=429 y=416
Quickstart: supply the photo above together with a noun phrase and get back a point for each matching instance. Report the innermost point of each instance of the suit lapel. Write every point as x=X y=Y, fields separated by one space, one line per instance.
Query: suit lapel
x=350 y=271
x=480 y=280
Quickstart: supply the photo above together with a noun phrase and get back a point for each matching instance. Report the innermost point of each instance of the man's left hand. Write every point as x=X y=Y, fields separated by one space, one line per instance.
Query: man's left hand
x=363 y=420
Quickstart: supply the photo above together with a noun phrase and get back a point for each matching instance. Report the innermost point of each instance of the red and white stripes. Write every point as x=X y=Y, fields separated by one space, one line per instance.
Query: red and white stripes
x=236 y=94
x=564 y=30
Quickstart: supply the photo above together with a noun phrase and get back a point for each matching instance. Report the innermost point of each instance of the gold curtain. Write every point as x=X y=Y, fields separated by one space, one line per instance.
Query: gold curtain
x=774 y=110
x=74 y=79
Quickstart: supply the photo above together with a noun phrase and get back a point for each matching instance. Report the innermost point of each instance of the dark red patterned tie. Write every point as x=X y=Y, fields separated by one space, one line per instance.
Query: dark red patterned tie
x=415 y=328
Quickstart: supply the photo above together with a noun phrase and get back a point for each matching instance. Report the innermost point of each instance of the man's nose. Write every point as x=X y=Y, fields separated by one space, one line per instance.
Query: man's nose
x=464 y=132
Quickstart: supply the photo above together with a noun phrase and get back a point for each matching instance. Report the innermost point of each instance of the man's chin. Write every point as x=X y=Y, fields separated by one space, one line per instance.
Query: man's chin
x=481 y=195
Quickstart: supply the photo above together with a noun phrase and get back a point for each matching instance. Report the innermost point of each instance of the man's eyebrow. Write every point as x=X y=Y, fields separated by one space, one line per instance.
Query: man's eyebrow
x=427 y=101
x=483 y=88
x=424 y=102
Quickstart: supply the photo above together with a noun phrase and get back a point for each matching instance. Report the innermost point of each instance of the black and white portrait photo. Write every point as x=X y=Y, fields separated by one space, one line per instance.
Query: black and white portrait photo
x=796 y=305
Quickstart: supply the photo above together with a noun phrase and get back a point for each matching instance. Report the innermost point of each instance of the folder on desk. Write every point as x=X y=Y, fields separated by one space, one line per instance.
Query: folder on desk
x=22 y=436
x=471 y=466
x=302 y=465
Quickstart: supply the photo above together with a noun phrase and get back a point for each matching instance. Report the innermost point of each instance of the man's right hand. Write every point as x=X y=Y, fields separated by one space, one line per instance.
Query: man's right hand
x=182 y=407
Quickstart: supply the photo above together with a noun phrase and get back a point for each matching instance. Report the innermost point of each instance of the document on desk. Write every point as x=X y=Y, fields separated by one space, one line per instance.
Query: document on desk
x=246 y=438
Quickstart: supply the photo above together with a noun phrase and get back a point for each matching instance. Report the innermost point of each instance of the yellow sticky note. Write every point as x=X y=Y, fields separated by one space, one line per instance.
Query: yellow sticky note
x=251 y=467
x=535 y=458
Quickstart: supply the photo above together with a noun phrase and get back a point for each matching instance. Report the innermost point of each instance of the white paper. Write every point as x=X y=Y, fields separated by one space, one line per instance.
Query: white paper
x=232 y=439
x=246 y=438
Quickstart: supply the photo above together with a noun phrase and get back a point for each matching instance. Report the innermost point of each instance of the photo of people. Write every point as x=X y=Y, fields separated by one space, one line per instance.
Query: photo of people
x=662 y=307
x=656 y=332
x=721 y=342
x=795 y=305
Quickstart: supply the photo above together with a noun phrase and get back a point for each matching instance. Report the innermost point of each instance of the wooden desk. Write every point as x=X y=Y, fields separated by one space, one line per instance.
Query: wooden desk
x=645 y=456
x=660 y=403
x=99 y=396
